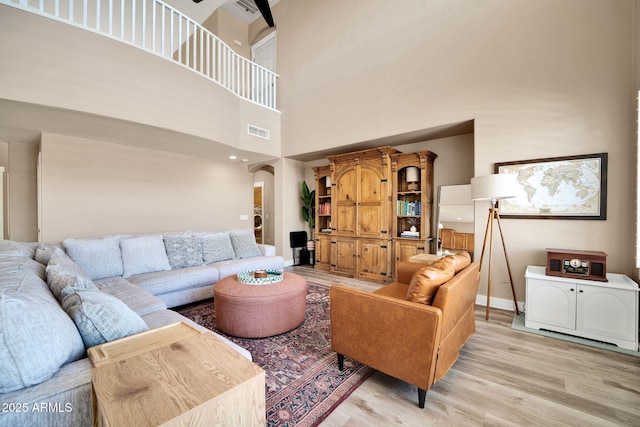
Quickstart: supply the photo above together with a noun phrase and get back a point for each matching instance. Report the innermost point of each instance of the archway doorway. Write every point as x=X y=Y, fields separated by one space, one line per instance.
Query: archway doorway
x=263 y=205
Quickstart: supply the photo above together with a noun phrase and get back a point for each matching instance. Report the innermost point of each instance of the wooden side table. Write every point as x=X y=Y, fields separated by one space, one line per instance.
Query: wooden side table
x=173 y=376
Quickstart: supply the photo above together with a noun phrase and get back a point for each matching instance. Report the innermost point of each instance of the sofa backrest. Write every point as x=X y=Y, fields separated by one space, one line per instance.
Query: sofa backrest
x=456 y=296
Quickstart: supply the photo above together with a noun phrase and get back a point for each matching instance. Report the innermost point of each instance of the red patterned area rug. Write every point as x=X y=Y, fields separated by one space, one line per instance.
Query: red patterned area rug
x=302 y=378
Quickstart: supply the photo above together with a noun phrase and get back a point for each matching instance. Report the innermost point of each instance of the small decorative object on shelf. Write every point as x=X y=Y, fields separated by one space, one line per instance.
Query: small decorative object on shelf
x=413 y=178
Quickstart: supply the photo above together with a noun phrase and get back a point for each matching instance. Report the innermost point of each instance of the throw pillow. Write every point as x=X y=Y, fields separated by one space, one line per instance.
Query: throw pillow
x=461 y=260
x=101 y=317
x=183 y=252
x=99 y=258
x=44 y=252
x=426 y=281
x=144 y=254
x=36 y=336
x=64 y=276
x=217 y=247
x=244 y=244
x=9 y=248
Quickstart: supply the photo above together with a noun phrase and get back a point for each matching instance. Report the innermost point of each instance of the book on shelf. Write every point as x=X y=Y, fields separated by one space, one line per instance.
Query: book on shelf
x=405 y=208
x=411 y=234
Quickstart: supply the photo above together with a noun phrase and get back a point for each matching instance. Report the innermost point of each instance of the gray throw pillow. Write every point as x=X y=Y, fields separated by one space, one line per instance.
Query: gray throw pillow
x=183 y=252
x=217 y=247
x=99 y=258
x=9 y=248
x=64 y=276
x=244 y=244
x=144 y=254
x=44 y=252
x=101 y=317
x=36 y=336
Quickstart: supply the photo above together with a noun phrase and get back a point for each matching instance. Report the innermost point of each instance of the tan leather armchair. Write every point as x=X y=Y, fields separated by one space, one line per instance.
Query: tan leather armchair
x=413 y=342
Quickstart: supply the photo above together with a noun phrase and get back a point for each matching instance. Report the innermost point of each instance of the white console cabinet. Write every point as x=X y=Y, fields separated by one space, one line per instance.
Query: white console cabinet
x=603 y=311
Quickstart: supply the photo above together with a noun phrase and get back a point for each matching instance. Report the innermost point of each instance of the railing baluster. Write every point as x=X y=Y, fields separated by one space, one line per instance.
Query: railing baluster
x=110 y=17
x=144 y=22
x=197 y=48
x=122 y=19
x=133 y=21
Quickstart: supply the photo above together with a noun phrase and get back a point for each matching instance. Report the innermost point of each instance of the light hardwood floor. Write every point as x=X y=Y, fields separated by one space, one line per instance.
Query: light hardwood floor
x=503 y=377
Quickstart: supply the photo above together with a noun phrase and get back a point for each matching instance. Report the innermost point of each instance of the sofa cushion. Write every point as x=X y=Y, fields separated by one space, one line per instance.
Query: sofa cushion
x=137 y=299
x=13 y=265
x=9 y=248
x=44 y=252
x=99 y=258
x=101 y=317
x=244 y=244
x=143 y=254
x=183 y=252
x=217 y=247
x=36 y=336
x=64 y=276
x=231 y=267
x=174 y=280
x=426 y=281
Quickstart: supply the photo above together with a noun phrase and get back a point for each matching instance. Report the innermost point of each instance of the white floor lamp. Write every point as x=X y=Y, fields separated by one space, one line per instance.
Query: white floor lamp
x=494 y=188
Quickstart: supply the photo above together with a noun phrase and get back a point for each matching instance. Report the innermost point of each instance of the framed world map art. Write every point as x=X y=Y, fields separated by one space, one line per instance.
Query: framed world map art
x=573 y=187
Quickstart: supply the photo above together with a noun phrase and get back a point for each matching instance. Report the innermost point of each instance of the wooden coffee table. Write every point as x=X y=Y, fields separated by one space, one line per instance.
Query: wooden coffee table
x=175 y=375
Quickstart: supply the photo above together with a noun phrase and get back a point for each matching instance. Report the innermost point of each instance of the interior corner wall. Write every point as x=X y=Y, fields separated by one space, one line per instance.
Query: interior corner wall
x=22 y=204
x=93 y=188
x=547 y=79
x=289 y=175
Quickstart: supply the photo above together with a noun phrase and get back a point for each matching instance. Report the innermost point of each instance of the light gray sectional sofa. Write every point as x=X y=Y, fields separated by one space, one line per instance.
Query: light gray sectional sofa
x=57 y=300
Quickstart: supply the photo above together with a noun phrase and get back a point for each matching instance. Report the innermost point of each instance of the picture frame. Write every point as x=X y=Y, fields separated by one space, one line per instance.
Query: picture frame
x=571 y=187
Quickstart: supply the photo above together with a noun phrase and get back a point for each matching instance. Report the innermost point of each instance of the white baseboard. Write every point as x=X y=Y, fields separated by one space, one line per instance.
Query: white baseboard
x=500 y=303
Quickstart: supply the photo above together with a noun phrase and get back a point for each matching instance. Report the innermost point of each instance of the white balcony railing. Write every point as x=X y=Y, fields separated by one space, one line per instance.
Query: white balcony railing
x=160 y=29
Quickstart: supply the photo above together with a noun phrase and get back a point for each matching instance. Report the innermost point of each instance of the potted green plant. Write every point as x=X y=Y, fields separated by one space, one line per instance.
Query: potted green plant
x=308 y=209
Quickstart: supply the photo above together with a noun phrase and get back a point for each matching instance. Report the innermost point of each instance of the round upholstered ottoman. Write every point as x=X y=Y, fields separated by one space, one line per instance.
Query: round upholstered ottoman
x=258 y=311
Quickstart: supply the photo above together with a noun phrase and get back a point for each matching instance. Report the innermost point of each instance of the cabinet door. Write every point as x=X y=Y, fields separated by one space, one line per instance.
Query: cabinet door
x=323 y=253
x=345 y=199
x=373 y=259
x=551 y=303
x=343 y=254
x=446 y=237
x=607 y=312
x=372 y=215
x=405 y=249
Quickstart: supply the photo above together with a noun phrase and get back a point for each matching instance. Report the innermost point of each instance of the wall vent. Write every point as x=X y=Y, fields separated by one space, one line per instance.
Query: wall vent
x=247 y=5
x=256 y=131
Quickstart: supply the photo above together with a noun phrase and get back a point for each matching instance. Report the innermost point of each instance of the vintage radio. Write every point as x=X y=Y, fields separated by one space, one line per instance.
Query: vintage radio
x=588 y=265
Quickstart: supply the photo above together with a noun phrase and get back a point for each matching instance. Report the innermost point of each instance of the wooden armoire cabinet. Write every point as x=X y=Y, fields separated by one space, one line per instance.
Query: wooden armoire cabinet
x=357 y=222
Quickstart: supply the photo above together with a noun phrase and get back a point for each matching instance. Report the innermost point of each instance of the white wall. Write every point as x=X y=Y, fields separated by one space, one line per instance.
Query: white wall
x=540 y=78
x=94 y=188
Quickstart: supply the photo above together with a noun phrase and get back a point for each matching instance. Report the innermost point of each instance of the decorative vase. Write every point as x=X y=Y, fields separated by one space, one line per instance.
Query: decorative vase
x=311 y=245
x=413 y=229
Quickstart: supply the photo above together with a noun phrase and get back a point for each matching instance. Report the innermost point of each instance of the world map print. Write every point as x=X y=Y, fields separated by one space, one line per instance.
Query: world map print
x=558 y=188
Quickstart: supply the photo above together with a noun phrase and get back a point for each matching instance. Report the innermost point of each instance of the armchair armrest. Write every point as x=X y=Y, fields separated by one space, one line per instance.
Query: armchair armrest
x=394 y=336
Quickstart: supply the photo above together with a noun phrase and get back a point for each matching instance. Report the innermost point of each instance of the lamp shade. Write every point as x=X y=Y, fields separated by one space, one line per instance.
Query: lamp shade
x=494 y=187
x=413 y=174
x=327 y=181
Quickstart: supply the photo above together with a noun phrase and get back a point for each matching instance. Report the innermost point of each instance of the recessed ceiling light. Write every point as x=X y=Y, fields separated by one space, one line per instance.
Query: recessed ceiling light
x=245 y=160
x=233 y=157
